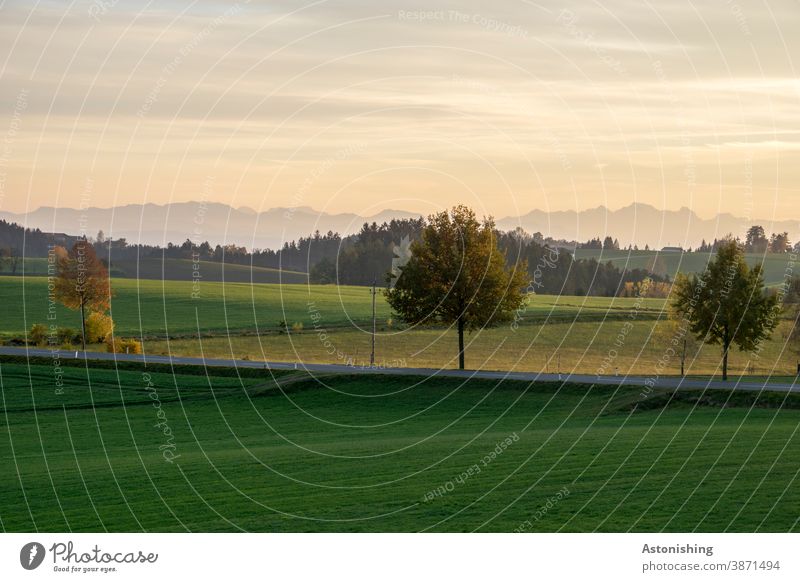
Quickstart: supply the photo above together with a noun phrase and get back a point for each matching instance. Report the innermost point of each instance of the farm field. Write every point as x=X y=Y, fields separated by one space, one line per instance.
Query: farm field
x=775 y=265
x=581 y=348
x=344 y=453
x=176 y=270
x=185 y=270
x=169 y=307
x=32 y=265
x=592 y=335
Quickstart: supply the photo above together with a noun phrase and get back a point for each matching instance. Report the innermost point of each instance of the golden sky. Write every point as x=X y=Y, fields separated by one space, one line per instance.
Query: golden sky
x=360 y=106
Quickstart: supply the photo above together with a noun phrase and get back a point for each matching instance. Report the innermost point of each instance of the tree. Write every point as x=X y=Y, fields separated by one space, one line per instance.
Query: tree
x=675 y=332
x=324 y=272
x=779 y=242
x=11 y=256
x=727 y=304
x=610 y=244
x=792 y=336
x=756 y=239
x=657 y=266
x=458 y=276
x=82 y=282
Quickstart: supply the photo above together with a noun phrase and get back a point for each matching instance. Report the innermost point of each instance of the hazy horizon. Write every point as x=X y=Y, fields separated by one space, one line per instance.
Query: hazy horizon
x=220 y=223
x=388 y=210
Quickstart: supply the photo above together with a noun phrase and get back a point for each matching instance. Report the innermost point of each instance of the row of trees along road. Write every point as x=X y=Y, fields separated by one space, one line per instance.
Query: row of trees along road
x=458 y=276
x=727 y=304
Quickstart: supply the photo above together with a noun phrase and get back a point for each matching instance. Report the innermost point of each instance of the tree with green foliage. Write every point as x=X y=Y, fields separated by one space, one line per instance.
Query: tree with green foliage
x=10 y=256
x=458 y=276
x=792 y=335
x=779 y=242
x=756 y=239
x=727 y=304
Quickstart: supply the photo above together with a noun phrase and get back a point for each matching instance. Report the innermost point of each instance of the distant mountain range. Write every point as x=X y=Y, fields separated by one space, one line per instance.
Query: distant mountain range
x=219 y=224
x=643 y=224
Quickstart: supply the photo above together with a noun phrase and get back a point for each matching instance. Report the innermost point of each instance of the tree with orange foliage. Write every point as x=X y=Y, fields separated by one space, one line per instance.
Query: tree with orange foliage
x=82 y=282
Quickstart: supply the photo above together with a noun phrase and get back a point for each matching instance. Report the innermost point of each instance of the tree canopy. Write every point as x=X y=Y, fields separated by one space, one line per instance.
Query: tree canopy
x=726 y=304
x=458 y=275
x=82 y=282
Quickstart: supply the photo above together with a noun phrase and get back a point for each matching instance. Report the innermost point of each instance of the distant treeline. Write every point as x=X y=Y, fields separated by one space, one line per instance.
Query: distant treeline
x=756 y=241
x=35 y=243
x=357 y=259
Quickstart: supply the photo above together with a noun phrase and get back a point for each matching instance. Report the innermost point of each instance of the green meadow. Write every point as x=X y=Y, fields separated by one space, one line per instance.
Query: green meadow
x=83 y=449
x=332 y=324
x=153 y=307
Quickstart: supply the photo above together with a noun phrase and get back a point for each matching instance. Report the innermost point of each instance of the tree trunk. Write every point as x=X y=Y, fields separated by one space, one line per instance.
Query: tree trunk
x=83 y=327
x=726 y=346
x=460 y=343
x=725 y=349
x=683 y=359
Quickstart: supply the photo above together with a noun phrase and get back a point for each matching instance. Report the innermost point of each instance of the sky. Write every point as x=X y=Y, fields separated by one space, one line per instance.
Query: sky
x=361 y=106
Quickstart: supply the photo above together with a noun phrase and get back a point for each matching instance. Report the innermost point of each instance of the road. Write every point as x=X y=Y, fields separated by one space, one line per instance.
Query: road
x=655 y=382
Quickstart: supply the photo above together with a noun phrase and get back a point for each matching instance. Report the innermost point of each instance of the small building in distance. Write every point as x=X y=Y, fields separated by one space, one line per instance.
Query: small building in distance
x=61 y=239
x=672 y=250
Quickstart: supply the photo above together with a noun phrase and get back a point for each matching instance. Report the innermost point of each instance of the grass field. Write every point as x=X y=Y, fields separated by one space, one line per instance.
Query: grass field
x=342 y=453
x=582 y=348
x=238 y=320
x=186 y=270
x=33 y=266
x=176 y=270
x=169 y=307
x=775 y=265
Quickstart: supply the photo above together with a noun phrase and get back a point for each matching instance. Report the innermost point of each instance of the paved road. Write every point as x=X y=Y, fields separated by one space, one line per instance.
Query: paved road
x=662 y=382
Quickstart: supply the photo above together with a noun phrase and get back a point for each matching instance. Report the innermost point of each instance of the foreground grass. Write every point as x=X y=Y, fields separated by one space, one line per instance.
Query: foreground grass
x=290 y=453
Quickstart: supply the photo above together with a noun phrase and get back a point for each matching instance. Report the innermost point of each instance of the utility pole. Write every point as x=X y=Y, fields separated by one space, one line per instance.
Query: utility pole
x=372 y=354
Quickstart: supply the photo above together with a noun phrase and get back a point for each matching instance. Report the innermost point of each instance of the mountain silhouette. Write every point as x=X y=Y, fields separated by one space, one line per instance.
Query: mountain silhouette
x=222 y=224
